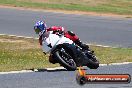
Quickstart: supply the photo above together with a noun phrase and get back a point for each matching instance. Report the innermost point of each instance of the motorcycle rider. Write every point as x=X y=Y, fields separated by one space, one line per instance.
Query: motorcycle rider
x=40 y=28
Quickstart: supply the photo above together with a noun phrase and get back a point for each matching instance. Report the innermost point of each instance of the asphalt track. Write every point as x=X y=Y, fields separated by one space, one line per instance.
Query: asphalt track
x=109 y=31
x=62 y=78
x=91 y=29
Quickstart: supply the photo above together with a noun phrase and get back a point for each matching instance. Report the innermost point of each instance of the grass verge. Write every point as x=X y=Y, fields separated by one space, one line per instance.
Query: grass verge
x=122 y=7
x=22 y=53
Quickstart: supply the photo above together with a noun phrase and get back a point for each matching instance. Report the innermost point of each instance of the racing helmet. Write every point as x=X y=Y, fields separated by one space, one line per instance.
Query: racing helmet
x=40 y=26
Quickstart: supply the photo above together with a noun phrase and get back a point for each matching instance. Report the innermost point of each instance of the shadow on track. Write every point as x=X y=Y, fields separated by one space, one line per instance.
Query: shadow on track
x=50 y=70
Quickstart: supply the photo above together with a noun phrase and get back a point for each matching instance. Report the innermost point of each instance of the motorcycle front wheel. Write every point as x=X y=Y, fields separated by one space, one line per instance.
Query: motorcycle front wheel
x=66 y=60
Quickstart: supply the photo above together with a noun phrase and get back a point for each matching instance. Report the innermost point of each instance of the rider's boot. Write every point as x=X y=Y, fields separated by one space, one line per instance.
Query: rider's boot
x=77 y=41
x=52 y=60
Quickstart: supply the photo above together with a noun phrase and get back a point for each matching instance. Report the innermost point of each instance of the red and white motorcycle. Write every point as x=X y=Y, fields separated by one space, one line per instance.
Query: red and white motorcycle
x=66 y=53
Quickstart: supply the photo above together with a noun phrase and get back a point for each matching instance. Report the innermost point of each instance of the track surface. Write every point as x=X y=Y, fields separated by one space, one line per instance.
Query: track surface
x=61 y=79
x=91 y=29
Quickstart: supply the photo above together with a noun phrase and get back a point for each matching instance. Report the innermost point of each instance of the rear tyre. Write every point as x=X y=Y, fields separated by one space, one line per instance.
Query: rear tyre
x=93 y=65
x=93 y=62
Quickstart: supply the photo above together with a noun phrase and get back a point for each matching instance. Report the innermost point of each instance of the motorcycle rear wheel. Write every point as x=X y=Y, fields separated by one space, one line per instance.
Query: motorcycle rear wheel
x=93 y=62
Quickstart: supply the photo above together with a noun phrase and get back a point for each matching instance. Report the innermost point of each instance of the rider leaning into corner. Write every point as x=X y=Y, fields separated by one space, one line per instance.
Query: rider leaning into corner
x=41 y=29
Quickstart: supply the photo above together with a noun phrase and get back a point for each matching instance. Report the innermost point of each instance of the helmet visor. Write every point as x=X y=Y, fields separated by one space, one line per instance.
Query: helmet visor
x=37 y=31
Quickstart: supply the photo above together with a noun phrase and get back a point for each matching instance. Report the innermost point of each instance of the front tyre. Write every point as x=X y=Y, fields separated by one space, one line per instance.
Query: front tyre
x=66 y=60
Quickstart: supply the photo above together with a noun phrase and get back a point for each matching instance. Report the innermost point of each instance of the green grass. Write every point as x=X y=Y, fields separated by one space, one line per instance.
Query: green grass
x=113 y=55
x=24 y=54
x=122 y=7
x=21 y=53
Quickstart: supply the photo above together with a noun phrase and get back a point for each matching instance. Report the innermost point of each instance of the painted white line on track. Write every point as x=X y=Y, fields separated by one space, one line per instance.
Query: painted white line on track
x=102 y=45
x=38 y=38
x=19 y=36
x=11 y=72
x=60 y=68
x=121 y=63
x=57 y=68
x=103 y=64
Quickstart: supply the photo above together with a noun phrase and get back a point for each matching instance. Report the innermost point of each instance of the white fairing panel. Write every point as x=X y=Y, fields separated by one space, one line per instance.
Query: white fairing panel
x=64 y=40
x=54 y=40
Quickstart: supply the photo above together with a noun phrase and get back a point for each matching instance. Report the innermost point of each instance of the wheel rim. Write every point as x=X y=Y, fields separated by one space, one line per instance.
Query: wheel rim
x=67 y=58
